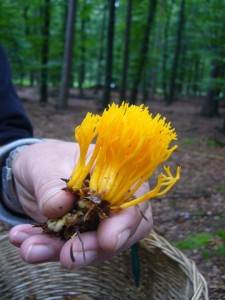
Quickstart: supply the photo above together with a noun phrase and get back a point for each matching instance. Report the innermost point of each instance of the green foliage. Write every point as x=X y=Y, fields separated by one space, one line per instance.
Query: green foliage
x=210 y=142
x=220 y=189
x=221 y=234
x=208 y=244
x=203 y=42
x=221 y=250
x=195 y=241
x=191 y=141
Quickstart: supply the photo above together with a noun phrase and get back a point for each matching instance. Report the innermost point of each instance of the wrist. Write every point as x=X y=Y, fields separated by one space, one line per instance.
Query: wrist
x=11 y=210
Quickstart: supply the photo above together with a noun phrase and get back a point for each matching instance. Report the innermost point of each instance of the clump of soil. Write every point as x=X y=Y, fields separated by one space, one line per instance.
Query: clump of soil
x=87 y=212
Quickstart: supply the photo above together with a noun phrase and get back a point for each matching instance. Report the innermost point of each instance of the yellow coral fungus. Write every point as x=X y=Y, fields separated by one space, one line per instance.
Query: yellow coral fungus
x=130 y=145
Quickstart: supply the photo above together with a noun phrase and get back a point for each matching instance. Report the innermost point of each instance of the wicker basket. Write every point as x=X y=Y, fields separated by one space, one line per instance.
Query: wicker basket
x=165 y=274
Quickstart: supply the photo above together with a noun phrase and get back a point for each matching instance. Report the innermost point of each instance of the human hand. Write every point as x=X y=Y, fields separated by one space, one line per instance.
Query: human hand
x=37 y=170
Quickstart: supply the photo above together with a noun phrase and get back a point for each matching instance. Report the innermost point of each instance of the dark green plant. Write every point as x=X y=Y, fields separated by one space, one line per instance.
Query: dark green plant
x=195 y=241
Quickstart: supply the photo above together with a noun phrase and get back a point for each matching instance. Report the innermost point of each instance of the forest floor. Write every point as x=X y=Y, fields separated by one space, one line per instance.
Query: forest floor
x=192 y=215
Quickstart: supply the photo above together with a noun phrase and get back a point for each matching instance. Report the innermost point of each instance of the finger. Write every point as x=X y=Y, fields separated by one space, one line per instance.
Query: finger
x=80 y=251
x=41 y=248
x=143 y=229
x=54 y=202
x=87 y=248
x=38 y=169
x=115 y=231
x=18 y=234
x=46 y=178
x=29 y=203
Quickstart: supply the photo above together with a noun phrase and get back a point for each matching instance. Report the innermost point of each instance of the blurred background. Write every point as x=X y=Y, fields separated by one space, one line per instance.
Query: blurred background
x=139 y=48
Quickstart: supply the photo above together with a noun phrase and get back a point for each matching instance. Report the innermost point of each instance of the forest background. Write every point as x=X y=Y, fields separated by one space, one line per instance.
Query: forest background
x=70 y=57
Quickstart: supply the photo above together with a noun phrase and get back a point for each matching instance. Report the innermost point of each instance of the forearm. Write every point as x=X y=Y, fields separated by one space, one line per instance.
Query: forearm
x=14 y=123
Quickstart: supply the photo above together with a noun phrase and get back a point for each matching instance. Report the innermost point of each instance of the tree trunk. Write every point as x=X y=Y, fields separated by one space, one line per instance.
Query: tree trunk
x=144 y=51
x=223 y=128
x=196 y=80
x=62 y=101
x=82 y=50
x=109 y=55
x=180 y=29
x=210 y=105
x=151 y=89
x=123 y=85
x=146 y=84
x=165 y=54
x=100 y=54
x=44 y=53
x=181 y=72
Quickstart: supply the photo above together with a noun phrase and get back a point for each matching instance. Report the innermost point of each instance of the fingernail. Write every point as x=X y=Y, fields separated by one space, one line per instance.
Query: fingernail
x=122 y=238
x=82 y=259
x=19 y=237
x=38 y=253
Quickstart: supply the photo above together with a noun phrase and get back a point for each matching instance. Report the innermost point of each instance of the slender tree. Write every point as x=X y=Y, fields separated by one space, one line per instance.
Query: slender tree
x=210 y=107
x=153 y=71
x=109 y=55
x=123 y=85
x=196 y=76
x=144 y=51
x=101 y=50
x=45 y=52
x=179 y=36
x=165 y=55
x=146 y=85
x=82 y=50
x=62 y=101
x=223 y=127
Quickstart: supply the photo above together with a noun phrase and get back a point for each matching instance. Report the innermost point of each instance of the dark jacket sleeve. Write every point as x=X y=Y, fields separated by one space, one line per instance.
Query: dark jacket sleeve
x=14 y=124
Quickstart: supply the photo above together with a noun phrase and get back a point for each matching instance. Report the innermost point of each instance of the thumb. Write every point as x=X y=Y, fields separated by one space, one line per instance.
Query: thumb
x=37 y=170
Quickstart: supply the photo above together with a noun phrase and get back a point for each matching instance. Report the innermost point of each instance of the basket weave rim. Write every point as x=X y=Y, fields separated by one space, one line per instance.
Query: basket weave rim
x=155 y=243
x=188 y=266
